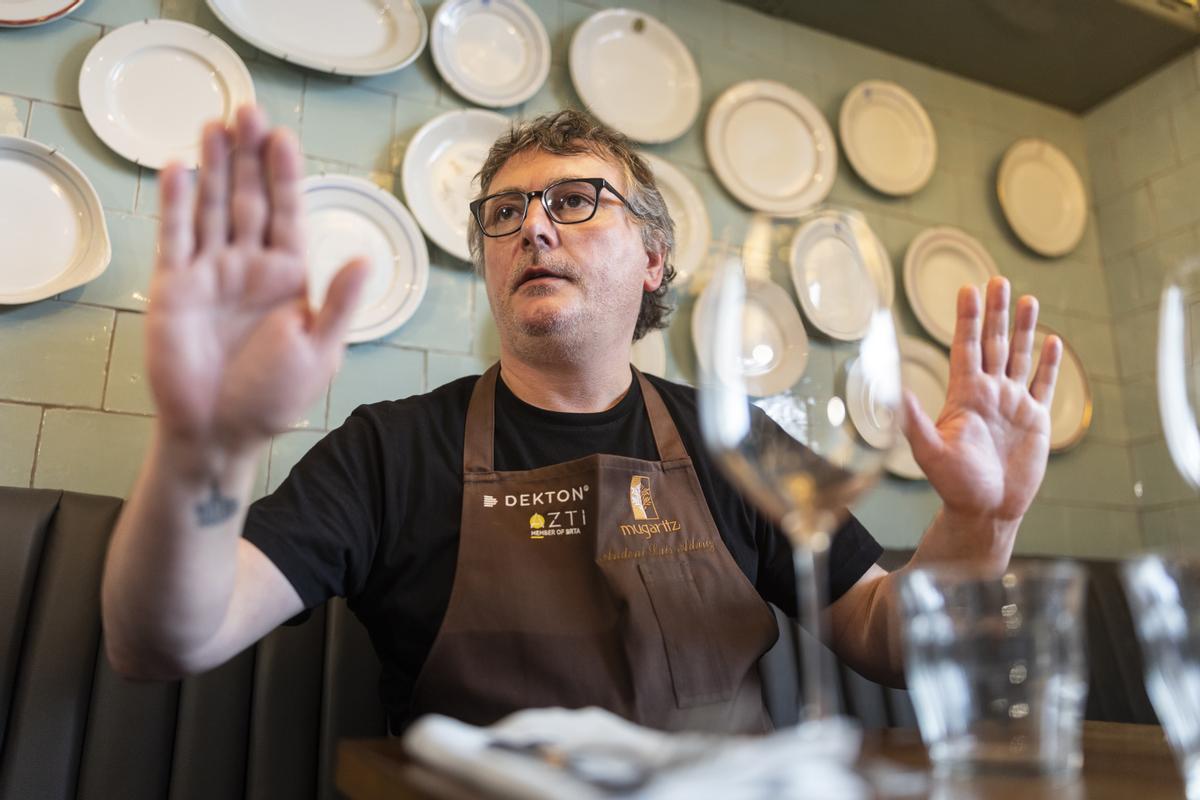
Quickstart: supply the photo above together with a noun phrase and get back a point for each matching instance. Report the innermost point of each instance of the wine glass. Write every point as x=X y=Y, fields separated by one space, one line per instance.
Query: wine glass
x=805 y=448
x=1179 y=367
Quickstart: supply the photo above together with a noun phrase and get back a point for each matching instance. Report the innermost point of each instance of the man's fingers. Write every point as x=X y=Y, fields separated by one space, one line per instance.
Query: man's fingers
x=212 y=204
x=176 y=240
x=1020 y=357
x=1047 y=371
x=249 y=204
x=284 y=175
x=995 y=327
x=341 y=301
x=920 y=431
x=965 y=359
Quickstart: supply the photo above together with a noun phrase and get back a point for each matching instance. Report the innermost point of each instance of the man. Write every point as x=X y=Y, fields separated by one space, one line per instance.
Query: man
x=427 y=512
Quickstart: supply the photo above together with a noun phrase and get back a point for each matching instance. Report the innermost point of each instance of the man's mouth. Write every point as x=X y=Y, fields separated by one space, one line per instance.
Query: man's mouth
x=538 y=274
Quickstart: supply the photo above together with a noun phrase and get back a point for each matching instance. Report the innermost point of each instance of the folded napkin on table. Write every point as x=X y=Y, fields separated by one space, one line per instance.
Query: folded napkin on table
x=590 y=753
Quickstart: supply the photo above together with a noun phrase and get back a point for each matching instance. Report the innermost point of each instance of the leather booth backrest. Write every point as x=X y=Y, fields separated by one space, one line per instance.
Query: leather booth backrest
x=264 y=725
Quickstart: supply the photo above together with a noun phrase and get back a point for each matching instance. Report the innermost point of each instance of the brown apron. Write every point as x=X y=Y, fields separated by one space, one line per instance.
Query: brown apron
x=600 y=581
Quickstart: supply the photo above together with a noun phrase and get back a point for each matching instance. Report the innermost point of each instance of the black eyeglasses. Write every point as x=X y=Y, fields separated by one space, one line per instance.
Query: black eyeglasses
x=567 y=202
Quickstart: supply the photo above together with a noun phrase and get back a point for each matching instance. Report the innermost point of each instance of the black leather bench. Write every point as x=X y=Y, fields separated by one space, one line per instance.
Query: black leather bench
x=266 y=724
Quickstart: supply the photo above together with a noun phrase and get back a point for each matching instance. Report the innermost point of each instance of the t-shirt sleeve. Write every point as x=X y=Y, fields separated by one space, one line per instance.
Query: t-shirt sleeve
x=851 y=553
x=321 y=526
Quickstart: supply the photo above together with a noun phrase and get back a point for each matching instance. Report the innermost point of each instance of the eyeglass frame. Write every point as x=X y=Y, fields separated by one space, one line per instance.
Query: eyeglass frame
x=599 y=184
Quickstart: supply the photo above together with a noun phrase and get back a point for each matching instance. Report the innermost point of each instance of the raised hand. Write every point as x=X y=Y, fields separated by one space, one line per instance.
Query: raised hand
x=986 y=454
x=233 y=351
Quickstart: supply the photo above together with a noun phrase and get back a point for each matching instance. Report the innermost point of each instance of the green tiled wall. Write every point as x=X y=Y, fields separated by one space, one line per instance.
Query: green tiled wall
x=75 y=409
x=1144 y=151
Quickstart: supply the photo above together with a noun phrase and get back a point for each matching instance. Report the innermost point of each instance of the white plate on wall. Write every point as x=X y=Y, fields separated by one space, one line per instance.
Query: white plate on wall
x=1071 y=408
x=1042 y=197
x=771 y=148
x=50 y=221
x=438 y=174
x=888 y=137
x=938 y=262
x=495 y=53
x=349 y=37
x=842 y=274
x=27 y=13
x=148 y=88
x=634 y=74
x=925 y=371
x=347 y=217
x=774 y=343
x=692 y=228
x=650 y=354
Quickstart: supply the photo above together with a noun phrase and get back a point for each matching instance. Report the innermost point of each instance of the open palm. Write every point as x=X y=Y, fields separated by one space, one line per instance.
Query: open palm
x=986 y=454
x=234 y=353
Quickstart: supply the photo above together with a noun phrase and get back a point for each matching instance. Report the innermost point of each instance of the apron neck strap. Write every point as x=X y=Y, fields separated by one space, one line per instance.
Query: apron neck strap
x=480 y=437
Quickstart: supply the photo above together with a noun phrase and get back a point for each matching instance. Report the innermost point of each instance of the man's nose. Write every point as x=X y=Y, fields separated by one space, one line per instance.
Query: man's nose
x=538 y=231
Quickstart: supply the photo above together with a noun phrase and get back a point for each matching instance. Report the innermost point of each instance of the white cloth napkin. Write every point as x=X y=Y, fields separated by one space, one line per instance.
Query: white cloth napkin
x=554 y=753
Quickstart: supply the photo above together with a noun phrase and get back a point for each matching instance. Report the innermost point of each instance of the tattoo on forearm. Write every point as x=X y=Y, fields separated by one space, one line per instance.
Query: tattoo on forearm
x=216 y=508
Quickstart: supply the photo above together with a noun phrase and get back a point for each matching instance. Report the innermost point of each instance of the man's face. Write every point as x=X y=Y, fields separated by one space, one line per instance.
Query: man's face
x=573 y=283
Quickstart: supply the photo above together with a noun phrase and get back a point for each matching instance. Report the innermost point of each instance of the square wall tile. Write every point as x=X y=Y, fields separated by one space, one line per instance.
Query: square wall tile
x=410 y=116
x=126 y=282
x=91 y=451
x=115 y=179
x=443 y=367
x=897 y=512
x=1090 y=472
x=43 y=62
x=128 y=387
x=1124 y=288
x=14 y=115
x=1140 y=396
x=1157 y=259
x=1185 y=121
x=1137 y=340
x=418 y=81
x=1125 y=221
x=1156 y=472
x=1160 y=529
x=348 y=124
x=486 y=341
x=1044 y=531
x=1094 y=344
x=1106 y=177
x=1103 y=532
x=1145 y=150
x=755 y=33
x=1108 y=412
x=280 y=91
x=19 y=427
x=54 y=353
x=371 y=373
x=114 y=13
x=286 y=451
x=700 y=23
x=1175 y=197
x=443 y=320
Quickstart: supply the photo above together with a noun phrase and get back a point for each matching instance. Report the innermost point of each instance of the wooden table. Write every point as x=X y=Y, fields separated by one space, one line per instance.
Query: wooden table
x=1121 y=762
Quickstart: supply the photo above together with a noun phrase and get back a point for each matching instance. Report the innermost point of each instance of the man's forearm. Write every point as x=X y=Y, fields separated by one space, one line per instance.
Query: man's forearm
x=172 y=561
x=983 y=542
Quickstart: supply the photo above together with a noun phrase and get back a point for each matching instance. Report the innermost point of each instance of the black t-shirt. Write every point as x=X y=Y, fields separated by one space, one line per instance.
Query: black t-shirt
x=372 y=511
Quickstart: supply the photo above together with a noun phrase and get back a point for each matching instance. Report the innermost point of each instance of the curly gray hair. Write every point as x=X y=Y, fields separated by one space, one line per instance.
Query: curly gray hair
x=568 y=133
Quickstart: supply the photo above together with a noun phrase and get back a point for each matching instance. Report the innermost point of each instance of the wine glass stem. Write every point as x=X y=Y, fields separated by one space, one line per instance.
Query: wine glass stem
x=817 y=670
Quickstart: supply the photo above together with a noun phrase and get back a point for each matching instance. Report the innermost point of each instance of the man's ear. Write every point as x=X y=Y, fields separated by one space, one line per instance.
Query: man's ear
x=656 y=263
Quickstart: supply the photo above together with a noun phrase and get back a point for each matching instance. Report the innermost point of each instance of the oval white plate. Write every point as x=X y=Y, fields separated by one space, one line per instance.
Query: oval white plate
x=771 y=148
x=888 y=137
x=925 y=371
x=148 y=88
x=692 y=228
x=349 y=37
x=937 y=263
x=1042 y=196
x=838 y=289
x=635 y=75
x=27 y=13
x=874 y=419
x=1071 y=408
x=494 y=53
x=774 y=344
x=51 y=223
x=650 y=354
x=439 y=170
x=347 y=217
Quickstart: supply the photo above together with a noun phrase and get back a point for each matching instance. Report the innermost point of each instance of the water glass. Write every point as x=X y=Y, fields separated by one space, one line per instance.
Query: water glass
x=996 y=666
x=1164 y=598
